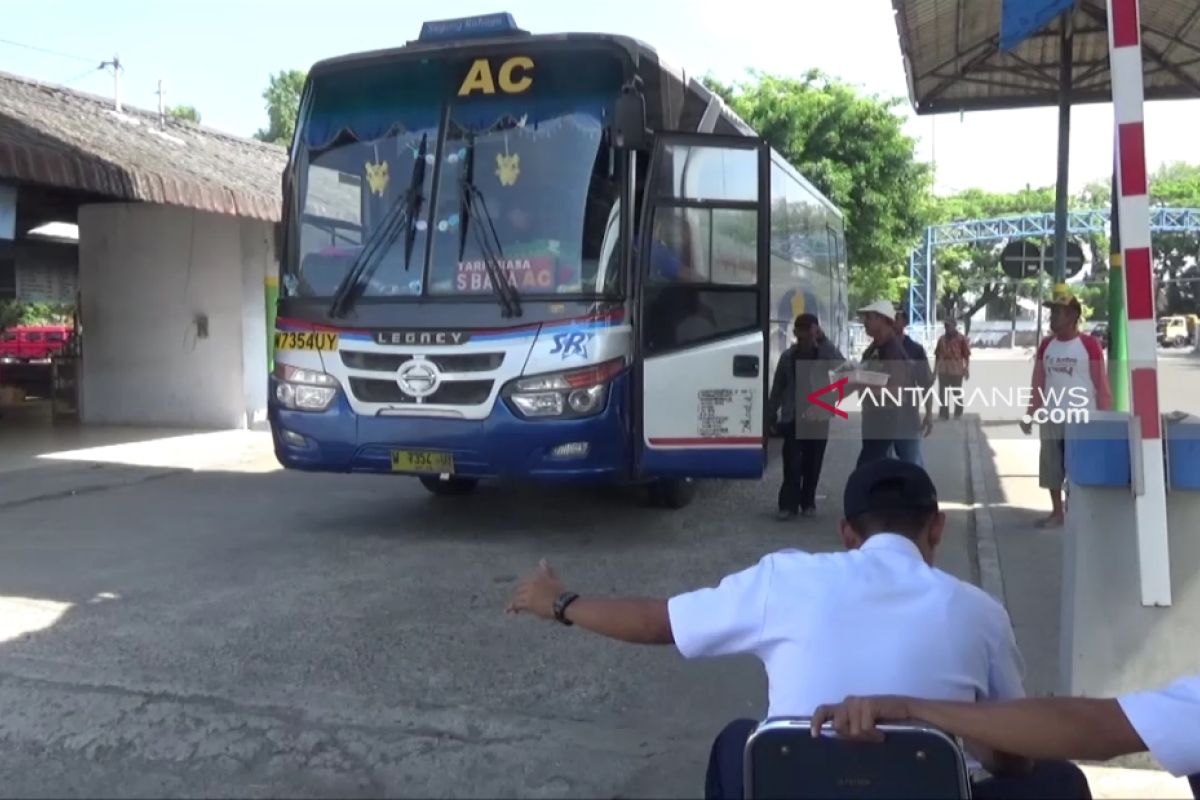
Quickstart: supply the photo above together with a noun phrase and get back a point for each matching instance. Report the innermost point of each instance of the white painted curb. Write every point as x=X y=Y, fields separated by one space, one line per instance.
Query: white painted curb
x=987 y=553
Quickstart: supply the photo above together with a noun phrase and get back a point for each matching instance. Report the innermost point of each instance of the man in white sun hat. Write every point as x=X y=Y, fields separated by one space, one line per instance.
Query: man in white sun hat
x=884 y=419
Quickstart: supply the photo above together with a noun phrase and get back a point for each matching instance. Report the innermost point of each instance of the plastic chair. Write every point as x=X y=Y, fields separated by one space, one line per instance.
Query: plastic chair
x=783 y=760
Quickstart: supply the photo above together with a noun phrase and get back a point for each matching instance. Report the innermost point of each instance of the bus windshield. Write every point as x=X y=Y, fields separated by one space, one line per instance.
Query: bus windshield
x=531 y=151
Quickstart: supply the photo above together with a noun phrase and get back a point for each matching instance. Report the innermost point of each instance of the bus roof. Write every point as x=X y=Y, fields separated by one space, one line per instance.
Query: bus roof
x=680 y=107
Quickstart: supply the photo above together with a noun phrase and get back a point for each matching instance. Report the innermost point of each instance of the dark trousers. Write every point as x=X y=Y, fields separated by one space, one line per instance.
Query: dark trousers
x=1048 y=779
x=875 y=450
x=725 y=765
x=803 y=455
x=1195 y=782
x=908 y=450
x=950 y=399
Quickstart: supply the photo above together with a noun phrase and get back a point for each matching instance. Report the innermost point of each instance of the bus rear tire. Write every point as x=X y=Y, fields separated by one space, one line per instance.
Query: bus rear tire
x=673 y=493
x=453 y=487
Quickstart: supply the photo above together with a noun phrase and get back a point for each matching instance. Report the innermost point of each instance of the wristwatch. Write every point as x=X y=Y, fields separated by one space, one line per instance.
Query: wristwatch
x=560 y=606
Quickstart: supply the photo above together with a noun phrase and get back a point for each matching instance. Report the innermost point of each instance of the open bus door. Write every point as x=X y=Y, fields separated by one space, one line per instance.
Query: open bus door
x=702 y=295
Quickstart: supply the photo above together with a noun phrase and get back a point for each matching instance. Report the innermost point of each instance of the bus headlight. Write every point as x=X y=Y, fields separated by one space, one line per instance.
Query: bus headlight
x=304 y=389
x=563 y=395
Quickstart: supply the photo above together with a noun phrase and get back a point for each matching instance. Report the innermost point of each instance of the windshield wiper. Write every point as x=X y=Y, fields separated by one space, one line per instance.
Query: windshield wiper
x=473 y=204
x=402 y=215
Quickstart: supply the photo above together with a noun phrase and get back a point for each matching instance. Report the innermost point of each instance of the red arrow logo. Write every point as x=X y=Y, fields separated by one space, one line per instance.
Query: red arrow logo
x=840 y=388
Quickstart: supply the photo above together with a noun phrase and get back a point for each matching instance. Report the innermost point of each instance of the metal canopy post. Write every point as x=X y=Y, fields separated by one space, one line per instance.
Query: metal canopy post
x=1041 y=278
x=930 y=289
x=1062 y=189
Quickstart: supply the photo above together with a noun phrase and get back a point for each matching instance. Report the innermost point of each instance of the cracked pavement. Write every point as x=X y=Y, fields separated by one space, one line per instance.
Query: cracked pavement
x=260 y=633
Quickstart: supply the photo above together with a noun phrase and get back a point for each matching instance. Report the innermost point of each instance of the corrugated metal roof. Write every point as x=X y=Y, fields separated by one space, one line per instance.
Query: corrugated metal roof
x=953 y=61
x=58 y=137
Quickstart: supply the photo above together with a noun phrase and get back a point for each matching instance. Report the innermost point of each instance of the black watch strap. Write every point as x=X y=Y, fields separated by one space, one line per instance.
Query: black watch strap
x=560 y=606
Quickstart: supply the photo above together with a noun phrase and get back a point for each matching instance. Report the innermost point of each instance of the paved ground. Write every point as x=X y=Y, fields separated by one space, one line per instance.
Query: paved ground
x=238 y=630
x=1031 y=559
x=245 y=631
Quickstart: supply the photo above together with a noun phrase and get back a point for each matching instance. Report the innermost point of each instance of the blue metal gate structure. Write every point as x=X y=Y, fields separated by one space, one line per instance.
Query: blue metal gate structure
x=922 y=302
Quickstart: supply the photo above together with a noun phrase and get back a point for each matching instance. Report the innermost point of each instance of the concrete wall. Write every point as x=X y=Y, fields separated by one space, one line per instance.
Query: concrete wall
x=148 y=274
x=1111 y=643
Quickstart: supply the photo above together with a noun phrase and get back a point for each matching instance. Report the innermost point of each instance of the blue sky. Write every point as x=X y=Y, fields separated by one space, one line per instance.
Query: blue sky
x=216 y=55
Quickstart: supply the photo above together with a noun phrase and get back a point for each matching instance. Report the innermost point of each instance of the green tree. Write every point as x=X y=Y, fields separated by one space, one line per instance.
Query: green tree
x=10 y=314
x=282 y=97
x=19 y=312
x=184 y=113
x=1097 y=194
x=973 y=271
x=1176 y=253
x=853 y=148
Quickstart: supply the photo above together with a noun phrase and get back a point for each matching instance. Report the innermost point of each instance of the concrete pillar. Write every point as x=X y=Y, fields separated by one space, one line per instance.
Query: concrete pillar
x=174 y=322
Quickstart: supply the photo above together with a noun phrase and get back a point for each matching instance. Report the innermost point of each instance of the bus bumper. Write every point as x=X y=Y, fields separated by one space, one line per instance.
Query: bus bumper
x=501 y=445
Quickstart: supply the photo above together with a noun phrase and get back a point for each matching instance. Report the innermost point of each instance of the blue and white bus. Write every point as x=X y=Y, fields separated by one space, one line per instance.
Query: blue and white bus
x=549 y=257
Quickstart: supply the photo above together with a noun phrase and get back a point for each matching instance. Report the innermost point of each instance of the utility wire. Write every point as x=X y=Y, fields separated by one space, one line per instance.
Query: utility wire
x=59 y=53
x=81 y=76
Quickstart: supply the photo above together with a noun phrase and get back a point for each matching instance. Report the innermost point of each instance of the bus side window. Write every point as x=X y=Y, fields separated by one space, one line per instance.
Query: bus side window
x=702 y=279
x=677 y=251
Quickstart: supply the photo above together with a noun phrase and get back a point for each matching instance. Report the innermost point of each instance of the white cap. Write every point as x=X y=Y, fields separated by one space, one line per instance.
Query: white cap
x=883 y=308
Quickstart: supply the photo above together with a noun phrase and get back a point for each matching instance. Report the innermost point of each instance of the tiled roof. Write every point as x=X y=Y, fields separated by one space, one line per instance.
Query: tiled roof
x=54 y=136
x=952 y=56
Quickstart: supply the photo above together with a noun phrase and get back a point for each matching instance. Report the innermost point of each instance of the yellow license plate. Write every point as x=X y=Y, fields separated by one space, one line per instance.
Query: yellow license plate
x=305 y=340
x=422 y=461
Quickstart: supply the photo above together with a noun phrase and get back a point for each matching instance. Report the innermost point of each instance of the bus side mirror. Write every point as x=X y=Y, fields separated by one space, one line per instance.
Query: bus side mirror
x=629 y=119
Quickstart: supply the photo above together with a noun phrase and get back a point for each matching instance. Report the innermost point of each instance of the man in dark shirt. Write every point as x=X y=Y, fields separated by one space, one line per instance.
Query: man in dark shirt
x=952 y=363
x=885 y=419
x=803 y=368
x=907 y=446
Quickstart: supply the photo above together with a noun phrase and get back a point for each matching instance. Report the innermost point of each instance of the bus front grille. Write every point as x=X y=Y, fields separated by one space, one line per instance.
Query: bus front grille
x=450 y=393
x=452 y=363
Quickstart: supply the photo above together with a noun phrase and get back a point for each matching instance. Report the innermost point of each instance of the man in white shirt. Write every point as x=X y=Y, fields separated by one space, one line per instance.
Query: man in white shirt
x=878 y=618
x=1068 y=374
x=1165 y=721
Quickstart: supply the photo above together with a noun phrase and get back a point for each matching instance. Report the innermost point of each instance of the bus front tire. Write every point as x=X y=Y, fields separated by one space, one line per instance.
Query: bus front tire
x=672 y=493
x=452 y=487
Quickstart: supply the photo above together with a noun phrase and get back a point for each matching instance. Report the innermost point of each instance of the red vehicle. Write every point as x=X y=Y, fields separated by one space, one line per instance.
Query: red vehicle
x=33 y=342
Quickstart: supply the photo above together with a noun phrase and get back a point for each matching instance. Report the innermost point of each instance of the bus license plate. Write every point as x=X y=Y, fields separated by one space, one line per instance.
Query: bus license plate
x=422 y=461
x=310 y=340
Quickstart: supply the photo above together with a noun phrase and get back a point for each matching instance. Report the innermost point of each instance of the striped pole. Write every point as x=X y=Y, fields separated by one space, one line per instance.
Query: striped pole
x=1150 y=498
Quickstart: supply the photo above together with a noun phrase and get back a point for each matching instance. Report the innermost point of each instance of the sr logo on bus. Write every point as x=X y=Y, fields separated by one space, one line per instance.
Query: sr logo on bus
x=571 y=344
x=512 y=76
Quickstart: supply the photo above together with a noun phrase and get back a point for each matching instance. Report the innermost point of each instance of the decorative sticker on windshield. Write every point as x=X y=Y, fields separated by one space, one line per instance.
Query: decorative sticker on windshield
x=513 y=77
x=508 y=167
x=377 y=177
x=524 y=274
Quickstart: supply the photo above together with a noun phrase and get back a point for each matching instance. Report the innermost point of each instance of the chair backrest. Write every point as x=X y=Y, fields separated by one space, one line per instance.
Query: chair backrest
x=784 y=760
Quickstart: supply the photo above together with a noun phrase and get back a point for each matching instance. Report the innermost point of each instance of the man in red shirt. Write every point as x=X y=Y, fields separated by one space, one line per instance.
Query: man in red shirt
x=1068 y=378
